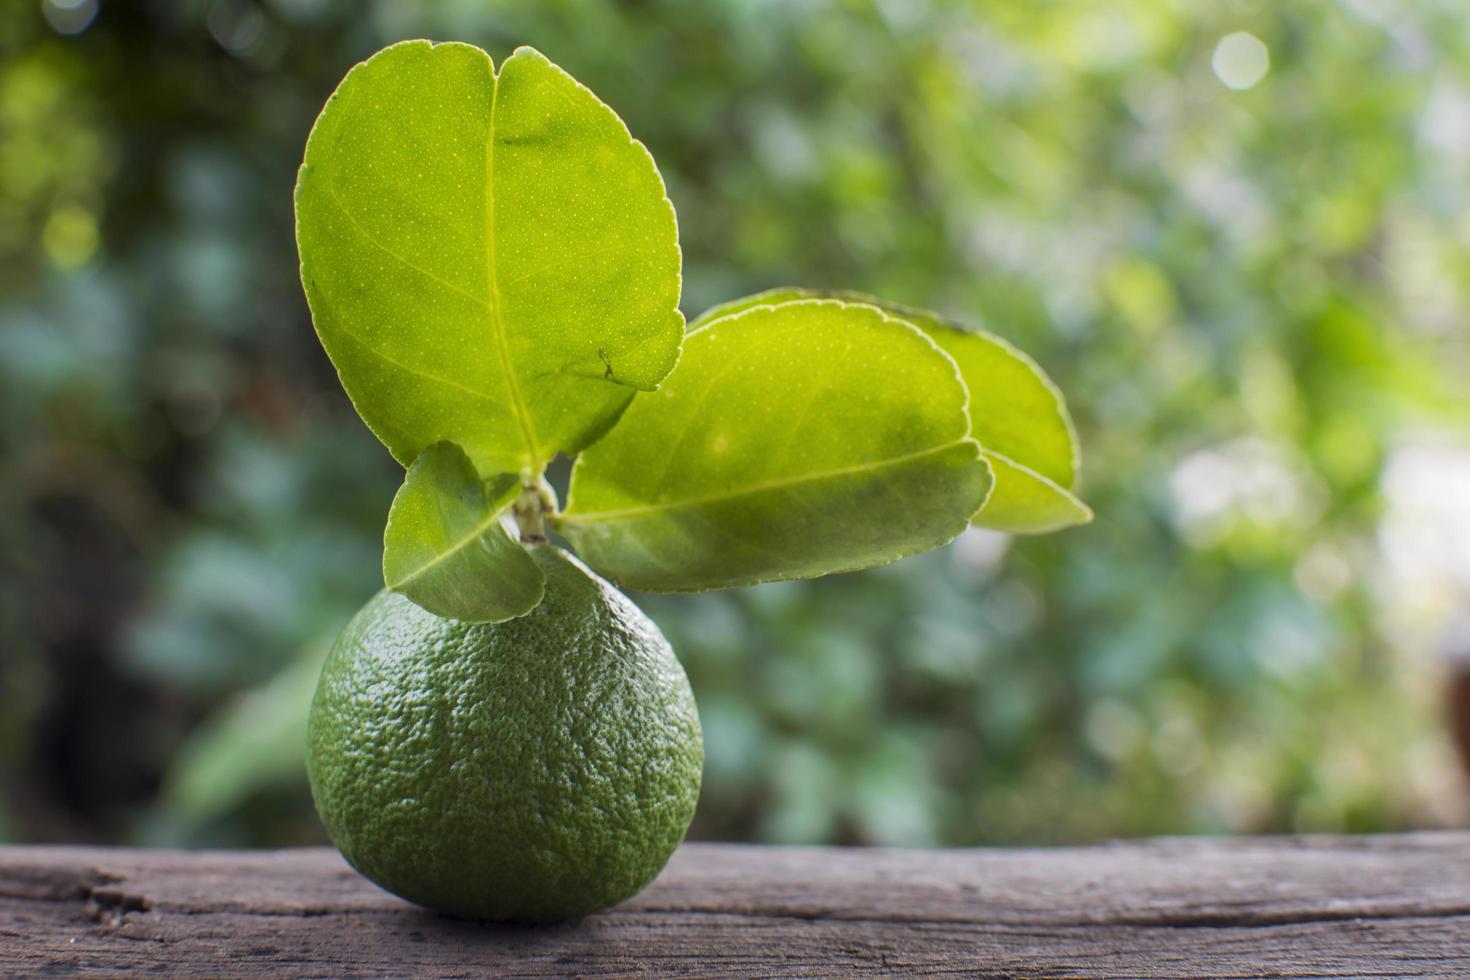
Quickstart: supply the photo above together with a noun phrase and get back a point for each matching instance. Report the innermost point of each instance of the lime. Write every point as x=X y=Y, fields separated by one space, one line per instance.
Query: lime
x=533 y=770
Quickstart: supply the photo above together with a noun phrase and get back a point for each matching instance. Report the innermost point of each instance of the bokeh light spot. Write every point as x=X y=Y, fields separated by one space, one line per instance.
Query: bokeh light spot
x=70 y=236
x=69 y=16
x=1241 y=60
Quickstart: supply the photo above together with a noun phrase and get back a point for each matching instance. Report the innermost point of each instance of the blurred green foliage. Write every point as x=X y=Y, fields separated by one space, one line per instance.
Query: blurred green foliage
x=1250 y=297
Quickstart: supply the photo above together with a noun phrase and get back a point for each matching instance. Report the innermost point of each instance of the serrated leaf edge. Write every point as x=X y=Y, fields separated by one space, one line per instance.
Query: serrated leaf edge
x=381 y=431
x=1049 y=483
x=797 y=294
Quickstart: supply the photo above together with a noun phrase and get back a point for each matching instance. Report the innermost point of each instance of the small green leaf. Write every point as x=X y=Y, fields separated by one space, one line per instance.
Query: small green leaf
x=791 y=442
x=445 y=547
x=1016 y=412
x=488 y=259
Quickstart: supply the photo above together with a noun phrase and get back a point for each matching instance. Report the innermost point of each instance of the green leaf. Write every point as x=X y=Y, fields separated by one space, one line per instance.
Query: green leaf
x=488 y=260
x=1016 y=412
x=792 y=441
x=445 y=547
x=254 y=741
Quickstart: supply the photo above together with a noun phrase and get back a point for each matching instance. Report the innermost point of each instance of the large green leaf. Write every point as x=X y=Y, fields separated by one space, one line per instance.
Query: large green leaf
x=488 y=260
x=445 y=547
x=1016 y=412
x=792 y=441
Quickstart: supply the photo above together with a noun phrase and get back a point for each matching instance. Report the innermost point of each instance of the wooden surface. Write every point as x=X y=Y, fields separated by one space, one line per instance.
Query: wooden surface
x=1368 y=906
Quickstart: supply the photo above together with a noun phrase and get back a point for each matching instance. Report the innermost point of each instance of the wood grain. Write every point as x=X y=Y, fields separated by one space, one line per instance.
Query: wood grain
x=1391 y=906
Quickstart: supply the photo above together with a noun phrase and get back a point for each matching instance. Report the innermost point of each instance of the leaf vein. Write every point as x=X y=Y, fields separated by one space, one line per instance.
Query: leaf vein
x=417 y=371
x=497 y=320
x=731 y=362
x=644 y=510
x=372 y=240
x=564 y=260
x=450 y=552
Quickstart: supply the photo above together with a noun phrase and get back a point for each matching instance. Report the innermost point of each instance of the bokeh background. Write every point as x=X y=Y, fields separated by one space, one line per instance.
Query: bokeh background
x=1236 y=233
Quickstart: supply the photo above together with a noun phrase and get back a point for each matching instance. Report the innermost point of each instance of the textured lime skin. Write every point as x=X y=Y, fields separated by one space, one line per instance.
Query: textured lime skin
x=533 y=770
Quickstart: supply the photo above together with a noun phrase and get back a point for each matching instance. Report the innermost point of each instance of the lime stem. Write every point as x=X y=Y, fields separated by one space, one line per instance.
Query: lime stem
x=531 y=509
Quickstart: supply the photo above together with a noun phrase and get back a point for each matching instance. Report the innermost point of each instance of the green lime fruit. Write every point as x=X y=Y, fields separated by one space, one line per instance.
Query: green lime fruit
x=533 y=770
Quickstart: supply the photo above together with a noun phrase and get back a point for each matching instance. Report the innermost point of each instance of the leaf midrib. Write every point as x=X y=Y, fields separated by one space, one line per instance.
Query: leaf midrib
x=492 y=284
x=1034 y=473
x=1060 y=492
x=449 y=552
x=631 y=513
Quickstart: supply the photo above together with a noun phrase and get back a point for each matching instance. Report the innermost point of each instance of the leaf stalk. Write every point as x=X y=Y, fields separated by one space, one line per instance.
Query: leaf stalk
x=531 y=509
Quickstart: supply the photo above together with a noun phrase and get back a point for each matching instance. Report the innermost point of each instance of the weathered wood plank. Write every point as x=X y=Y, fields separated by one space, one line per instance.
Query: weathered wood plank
x=1392 y=906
